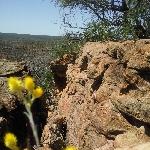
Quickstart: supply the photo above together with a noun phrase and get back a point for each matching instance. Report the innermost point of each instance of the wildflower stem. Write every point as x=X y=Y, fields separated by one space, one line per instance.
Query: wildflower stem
x=32 y=124
x=31 y=121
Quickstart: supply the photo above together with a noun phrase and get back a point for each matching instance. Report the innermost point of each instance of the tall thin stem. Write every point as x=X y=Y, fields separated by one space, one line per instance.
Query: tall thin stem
x=32 y=124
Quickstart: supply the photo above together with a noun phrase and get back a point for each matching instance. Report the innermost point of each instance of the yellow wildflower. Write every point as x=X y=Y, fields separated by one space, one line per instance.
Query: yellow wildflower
x=70 y=148
x=38 y=92
x=29 y=84
x=14 y=84
x=10 y=141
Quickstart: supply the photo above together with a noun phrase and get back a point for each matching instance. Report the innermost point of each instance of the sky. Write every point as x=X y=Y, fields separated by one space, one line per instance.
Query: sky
x=37 y=17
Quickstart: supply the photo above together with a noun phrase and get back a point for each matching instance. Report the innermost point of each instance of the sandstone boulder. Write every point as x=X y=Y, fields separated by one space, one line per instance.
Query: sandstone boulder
x=105 y=102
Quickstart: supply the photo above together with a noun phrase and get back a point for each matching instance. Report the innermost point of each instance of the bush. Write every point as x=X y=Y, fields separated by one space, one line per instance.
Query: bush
x=104 y=31
x=67 y=45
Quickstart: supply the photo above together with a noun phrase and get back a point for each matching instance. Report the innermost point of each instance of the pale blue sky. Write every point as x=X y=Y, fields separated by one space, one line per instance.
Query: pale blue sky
x=38 y=17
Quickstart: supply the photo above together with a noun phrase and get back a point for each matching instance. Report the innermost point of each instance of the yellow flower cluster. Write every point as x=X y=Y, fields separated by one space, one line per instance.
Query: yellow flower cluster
x=29 y=84
x=70 y=148
x=38 y=92
x=10 y=141
x=30 y=87
x=16 y=85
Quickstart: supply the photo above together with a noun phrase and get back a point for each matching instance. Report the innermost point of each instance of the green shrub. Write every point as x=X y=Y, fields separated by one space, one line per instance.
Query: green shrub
x=104 y=31
x=67 y=45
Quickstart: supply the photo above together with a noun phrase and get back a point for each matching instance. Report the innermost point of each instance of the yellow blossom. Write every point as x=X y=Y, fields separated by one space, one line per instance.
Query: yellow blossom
x=29 y=84
x=10 y=141
x=14 y=84
x=38 y=92
x=70 y=148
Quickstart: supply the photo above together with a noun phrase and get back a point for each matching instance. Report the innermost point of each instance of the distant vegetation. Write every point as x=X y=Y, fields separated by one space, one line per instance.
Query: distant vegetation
x=27 y=37
x=37 y=51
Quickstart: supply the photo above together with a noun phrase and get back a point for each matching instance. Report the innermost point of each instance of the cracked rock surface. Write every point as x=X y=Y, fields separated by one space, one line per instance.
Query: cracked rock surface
x=105 y=102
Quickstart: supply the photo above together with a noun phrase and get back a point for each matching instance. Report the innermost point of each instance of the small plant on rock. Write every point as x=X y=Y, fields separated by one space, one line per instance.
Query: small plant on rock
x=10 y=141
x=27 y=92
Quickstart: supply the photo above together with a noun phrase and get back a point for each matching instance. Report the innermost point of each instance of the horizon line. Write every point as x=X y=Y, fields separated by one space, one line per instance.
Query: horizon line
x=29 y=34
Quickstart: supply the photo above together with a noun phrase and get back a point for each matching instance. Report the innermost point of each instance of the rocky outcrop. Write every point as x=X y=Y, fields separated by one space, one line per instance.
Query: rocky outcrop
x=105 y=102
